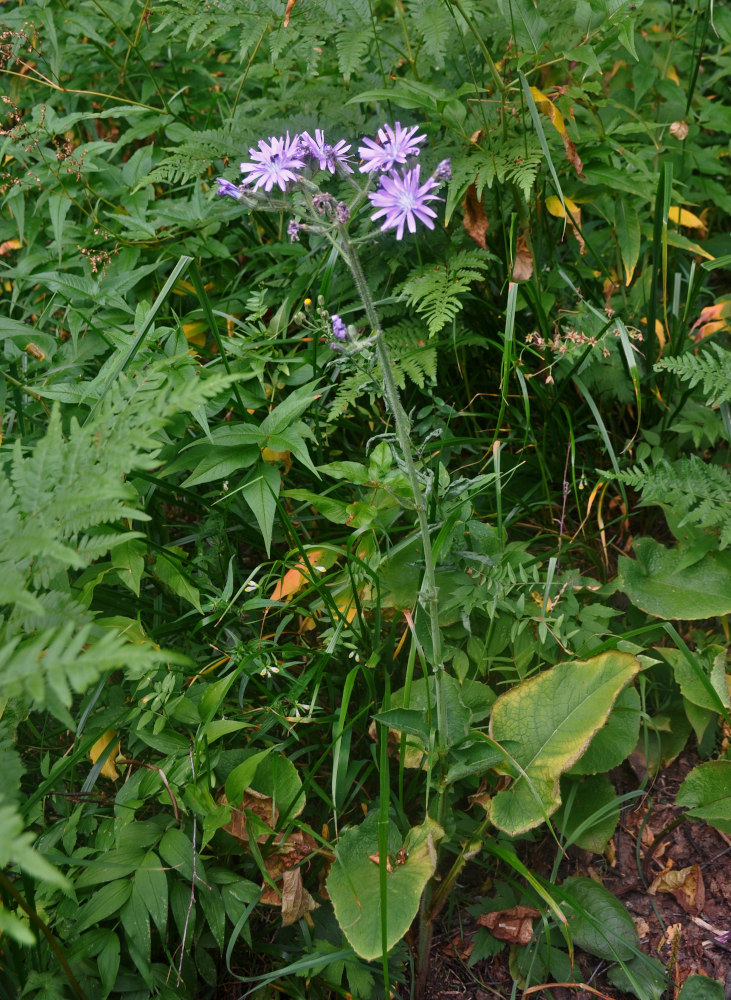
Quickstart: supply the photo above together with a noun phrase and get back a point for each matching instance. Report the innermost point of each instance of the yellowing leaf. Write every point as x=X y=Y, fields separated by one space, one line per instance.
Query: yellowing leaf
x=195 y=333
x=108 y=769
x=9 y=245
x=294 y=579
x=682 y=217
x=277 y=456
x=556 y=207
x=546 y=105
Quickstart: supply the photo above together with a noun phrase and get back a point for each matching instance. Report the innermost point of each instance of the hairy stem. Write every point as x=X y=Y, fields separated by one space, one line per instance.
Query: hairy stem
x=429 y=590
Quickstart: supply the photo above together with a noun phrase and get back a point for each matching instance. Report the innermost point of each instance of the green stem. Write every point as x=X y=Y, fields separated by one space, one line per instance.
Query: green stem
x=494 y=72
x=8 y=887
x=429 y=590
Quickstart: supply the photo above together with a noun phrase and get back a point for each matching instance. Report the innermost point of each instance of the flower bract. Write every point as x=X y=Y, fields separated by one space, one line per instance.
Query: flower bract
x=400 y=201
x=394 y=146
x=275 y=162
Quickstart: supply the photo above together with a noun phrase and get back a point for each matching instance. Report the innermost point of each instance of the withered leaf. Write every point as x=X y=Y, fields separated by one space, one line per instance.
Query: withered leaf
x=523 y=263
x=686 y=884
x=260 y=807
x=295 y=901
x=475 y=220
x=514 y=925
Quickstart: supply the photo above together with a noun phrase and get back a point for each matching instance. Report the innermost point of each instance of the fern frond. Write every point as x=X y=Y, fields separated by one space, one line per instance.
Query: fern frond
x=712 y=371
x=436 y=290
x=698 y=493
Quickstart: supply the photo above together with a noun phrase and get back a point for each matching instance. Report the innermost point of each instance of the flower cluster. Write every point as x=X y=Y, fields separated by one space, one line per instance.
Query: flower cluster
x=399 y=201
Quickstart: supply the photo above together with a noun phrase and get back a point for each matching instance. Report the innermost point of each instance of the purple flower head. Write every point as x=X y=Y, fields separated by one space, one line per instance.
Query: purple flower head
x=226 y=187
x=329 y=157
x=293 y=231
x=444 y=171
x=342 y=213
x=275 y=162
x=400 y=200
x=340 y=331
x=393 y=146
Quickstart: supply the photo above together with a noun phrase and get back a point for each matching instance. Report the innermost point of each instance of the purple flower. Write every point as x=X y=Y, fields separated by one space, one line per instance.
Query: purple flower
x=401 y=200
x=293 y=231
x=328 y=156
x=342 y=213
x=226 y=187
x=339 y=328
x=444 y=171
x=275 y=162
x=393 y=146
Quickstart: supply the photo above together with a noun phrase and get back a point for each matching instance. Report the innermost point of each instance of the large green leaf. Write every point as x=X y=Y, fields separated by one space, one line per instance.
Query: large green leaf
x=616 y=740
x=706 y=793
x=599 y=923
x=260 y=491
x=675 y=583
x=354 y=883
x=593 y=814
x=552 y=717
x=701 y=988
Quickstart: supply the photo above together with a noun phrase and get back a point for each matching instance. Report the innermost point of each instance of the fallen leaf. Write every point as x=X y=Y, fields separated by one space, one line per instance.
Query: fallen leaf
x=295 y=900
x=523 y=262
x=475 y=220
x=258 y=805
x=686 y=884
x=514 y=925
x=108 y=769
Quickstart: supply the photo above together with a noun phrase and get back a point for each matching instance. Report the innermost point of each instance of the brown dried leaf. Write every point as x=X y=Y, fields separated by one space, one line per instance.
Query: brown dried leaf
x=263 y=807
x=475 y=221
x=686 y=884
x=523 y=263
x=295 y=901
x=288 y=11
x=514 y=925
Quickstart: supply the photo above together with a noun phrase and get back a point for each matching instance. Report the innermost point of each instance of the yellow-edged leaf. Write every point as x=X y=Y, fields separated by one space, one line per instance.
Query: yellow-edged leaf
x=108 y=769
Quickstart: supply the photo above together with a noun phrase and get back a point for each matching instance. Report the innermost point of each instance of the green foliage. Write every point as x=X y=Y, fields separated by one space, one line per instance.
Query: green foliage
x=436 y=290
x=710 y=369
x=216 y=649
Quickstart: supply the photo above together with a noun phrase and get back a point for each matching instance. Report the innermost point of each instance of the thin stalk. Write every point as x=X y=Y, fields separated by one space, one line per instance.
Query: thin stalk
x=10 y=889
x=429 y=589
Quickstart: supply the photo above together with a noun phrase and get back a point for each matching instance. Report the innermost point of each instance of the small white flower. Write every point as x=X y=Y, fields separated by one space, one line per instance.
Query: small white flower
x=320 y=569
x=251 y=586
